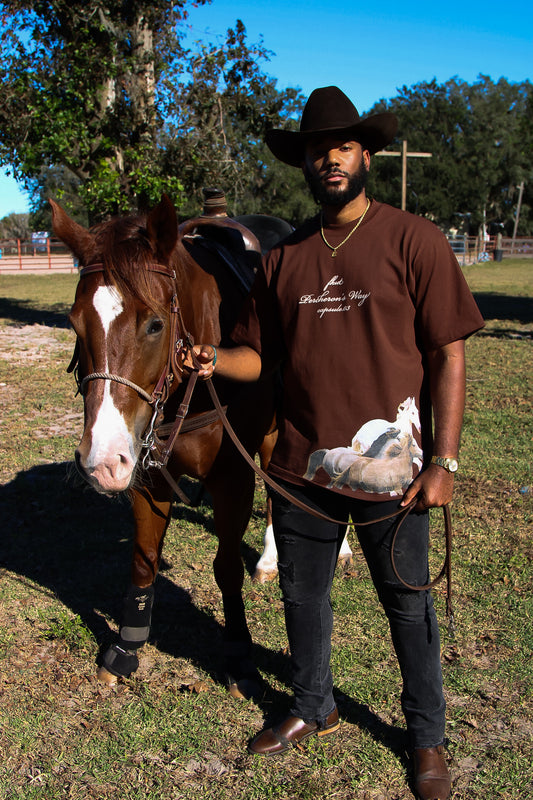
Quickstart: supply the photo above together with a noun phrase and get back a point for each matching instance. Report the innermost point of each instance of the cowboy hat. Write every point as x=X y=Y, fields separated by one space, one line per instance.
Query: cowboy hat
x=329 y=111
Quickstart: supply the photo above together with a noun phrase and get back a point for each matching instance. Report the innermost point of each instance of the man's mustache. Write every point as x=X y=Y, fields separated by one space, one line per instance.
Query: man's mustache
x=340 y=172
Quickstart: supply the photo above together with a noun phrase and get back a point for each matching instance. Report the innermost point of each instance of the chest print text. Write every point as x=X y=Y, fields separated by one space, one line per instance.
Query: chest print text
x=333 y=298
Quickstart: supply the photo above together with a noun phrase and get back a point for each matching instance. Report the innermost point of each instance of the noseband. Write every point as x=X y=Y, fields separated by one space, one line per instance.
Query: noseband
x=180 y=343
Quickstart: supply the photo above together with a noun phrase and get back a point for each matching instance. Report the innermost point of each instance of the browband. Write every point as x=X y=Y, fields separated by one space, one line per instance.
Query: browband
x=160 y=268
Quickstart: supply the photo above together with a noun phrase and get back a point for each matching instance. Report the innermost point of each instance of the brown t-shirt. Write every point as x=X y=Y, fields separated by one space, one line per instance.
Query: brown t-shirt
x=350 y=333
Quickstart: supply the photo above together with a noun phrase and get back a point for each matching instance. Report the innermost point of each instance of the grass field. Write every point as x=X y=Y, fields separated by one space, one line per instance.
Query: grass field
x=171 y=732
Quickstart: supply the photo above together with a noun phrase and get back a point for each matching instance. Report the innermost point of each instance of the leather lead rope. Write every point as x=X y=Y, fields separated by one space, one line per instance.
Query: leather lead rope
x=401 y=514
x=180 y=416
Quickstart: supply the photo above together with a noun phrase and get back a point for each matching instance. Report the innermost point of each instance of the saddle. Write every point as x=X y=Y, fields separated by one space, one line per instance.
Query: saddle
x=238 y=241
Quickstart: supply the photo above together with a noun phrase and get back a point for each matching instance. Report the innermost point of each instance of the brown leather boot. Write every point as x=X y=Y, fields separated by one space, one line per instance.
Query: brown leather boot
x=289 y=733
x=432 y=779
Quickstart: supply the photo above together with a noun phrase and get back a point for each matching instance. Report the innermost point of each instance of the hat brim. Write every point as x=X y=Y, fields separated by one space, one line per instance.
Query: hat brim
x=374 y=133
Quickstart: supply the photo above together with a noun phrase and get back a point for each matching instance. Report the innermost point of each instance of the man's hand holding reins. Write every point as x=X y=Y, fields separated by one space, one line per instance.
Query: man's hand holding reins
x=235 y=363
x=433 y=488
x=203 y=358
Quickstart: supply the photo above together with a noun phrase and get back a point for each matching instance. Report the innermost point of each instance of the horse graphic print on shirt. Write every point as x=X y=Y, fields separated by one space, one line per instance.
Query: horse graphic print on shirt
x=380 y=458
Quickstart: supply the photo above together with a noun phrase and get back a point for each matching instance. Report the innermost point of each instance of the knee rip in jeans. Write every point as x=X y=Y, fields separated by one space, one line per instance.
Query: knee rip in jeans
x=286 y=572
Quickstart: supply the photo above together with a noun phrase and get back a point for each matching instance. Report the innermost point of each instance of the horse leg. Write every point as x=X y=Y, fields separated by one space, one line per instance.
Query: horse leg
x=151 y=510
x=266 y=568
x=345 y=557
x=231 y=520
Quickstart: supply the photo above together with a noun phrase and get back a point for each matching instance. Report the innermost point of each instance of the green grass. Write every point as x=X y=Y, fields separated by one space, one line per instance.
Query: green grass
x=513 y=277
x=171 y=732
x=38 y=297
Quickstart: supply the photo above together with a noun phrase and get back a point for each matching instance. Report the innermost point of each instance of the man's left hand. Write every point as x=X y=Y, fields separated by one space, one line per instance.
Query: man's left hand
x=433 y=488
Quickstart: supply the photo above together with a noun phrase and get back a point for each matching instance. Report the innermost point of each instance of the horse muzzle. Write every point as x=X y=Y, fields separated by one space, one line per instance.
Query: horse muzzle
x=108 y=472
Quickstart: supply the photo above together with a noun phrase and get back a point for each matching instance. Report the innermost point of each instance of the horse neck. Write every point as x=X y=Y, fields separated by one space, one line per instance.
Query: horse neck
x=405 y=423
x=405 y=419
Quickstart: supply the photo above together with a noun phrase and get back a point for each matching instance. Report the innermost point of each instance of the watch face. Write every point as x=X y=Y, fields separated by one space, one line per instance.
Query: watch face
x=449 y=464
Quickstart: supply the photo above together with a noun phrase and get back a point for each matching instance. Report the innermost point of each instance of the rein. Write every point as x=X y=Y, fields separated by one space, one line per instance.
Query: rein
x=180 y=343
x=402 y=513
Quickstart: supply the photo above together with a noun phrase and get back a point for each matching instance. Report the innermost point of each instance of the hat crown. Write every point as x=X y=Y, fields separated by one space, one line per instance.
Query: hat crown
x=329 y=112
x=328 y=108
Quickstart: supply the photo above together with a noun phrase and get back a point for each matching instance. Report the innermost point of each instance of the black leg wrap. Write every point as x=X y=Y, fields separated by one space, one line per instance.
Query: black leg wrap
x=136 y=618
x=120 y=662
x=121 y=659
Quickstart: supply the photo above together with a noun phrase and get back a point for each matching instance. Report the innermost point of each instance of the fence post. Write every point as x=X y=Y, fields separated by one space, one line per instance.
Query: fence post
x=20 y=253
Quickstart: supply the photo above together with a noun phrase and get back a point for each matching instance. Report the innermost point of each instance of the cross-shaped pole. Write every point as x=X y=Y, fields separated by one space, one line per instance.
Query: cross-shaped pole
x=405 y=155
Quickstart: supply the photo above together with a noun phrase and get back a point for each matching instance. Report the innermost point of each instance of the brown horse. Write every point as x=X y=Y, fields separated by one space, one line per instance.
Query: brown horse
x=144 y=295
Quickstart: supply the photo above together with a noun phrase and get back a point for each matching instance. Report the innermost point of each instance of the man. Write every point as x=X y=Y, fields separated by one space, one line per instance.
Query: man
x=365 y=309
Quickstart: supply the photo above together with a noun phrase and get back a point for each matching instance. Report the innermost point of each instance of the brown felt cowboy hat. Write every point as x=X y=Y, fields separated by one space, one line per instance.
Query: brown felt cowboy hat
x=329 y=111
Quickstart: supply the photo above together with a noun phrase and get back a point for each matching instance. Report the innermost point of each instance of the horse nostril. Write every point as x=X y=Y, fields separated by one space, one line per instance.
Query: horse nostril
x=79 y=466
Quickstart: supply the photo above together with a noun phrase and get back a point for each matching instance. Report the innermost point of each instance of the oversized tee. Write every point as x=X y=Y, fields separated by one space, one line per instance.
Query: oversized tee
x=350 y=333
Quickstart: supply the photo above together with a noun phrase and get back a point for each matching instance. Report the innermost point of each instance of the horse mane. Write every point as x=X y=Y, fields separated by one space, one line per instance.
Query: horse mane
x=126 y=252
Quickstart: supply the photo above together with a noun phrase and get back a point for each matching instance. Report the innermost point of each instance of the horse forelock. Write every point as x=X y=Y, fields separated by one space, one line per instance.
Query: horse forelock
x=126 y=253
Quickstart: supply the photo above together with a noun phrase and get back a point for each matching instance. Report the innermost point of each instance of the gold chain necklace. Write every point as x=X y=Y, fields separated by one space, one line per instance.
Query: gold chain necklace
x=334 y=249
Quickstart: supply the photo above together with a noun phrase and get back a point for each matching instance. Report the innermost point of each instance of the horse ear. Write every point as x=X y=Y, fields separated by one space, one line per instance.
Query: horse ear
x=75 y=236
x=162 y=226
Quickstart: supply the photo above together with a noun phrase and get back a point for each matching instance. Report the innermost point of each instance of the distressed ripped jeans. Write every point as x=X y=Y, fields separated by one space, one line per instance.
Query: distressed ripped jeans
x=307 y=556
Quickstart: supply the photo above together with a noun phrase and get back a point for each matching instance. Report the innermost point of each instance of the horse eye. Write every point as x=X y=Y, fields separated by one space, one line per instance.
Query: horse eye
x=155 y=326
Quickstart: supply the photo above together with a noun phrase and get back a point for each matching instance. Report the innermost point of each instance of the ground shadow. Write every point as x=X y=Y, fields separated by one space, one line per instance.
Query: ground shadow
x=391 y=736
x=494 y=306
x=61 y=536
x=22 y=312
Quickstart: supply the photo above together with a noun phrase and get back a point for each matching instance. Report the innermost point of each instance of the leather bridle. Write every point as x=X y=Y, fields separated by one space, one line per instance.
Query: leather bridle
x=157 y=452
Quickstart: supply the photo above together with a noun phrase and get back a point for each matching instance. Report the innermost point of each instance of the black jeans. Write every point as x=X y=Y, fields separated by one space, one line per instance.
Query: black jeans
x=307 y=555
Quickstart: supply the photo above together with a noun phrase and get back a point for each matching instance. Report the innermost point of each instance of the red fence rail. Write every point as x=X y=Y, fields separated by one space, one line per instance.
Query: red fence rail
x=20 y=255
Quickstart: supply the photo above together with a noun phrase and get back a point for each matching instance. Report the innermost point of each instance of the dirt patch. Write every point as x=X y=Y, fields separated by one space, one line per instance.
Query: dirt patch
x=26 y=344
x=38 y=408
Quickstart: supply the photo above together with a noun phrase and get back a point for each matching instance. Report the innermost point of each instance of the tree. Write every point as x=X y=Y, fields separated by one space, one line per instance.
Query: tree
x=64 y=186
x=107 y=92
x=79 y=91
x=215 y=128
x=480 y=137
x=15 y=226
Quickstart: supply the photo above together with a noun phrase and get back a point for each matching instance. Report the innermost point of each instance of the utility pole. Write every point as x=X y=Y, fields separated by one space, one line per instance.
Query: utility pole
x=404 y=156
x=519 y=206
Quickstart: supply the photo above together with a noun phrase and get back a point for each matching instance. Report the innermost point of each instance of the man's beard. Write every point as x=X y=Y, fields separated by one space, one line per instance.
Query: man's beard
x=334 y=195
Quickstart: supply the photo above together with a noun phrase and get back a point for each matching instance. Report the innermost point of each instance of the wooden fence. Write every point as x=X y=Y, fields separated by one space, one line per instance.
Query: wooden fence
x=472 y=249
x=50 y=255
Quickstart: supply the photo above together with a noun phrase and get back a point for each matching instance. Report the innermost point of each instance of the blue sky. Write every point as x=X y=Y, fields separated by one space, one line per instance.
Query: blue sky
x=368 y=54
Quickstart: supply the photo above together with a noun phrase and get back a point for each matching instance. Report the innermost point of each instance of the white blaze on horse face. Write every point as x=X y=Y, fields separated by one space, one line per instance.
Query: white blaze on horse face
x=108 y=304
x=111 y=458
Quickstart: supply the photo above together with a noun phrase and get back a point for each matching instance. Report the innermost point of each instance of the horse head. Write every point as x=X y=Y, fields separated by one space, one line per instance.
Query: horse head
x=408 y=415
x=122 y=316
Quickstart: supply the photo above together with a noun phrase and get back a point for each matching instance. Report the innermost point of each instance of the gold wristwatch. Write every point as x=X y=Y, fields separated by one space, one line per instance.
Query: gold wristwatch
x=449 y=464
